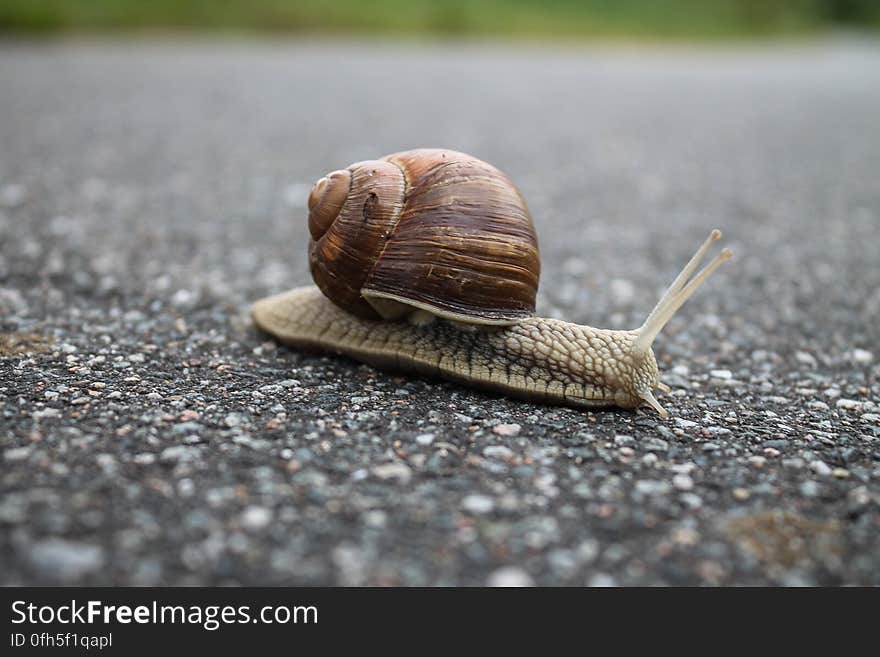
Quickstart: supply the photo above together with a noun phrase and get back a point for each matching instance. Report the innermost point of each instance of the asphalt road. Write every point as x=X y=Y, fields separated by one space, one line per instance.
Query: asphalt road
x=149 y=192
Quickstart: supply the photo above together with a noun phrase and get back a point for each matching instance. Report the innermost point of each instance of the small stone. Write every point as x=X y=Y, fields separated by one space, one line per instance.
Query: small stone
x=510 y=576
x=16 y=454
x=651 y=487
x=810 y=488
x=682 y=482
x=478 y=504
x=805 y=358
x=66 y=560
x=232 y=420
x=602 y=580
x=775 y=444
x=376 y=519
x=741 y=494
x=656 y=445
x=396 y=470
x=498 y=452
x=425 y=439
x=721 y=374
x=691 y=500
x=507 y=430
x=176 y=453
x=861 y=356
x=820 y=468
x=840 y=473
x=848 y=404
x=255 y=518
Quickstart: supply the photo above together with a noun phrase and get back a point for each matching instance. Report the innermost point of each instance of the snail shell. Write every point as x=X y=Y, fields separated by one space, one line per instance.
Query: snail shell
x=428 y=229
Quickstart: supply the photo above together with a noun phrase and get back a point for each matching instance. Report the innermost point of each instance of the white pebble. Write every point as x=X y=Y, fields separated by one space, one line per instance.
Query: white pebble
x=255 y=518
x=602 y=580
x=399 y=471
x=682 y=482
x=498 y=452
x=721 y=374
x=820 y=468
x=510 y=576
x=478 y=504
x=507 y=430
x=805 y=358
x=67 y=560
x=848 y=404
x=425 y=438
x=651 y=487
x=861 y=356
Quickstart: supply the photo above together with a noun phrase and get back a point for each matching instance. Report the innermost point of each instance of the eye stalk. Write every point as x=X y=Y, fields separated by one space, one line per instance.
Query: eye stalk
x=683 y=288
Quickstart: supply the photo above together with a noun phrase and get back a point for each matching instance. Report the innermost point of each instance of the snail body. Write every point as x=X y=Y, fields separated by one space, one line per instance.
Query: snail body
x=427 y=262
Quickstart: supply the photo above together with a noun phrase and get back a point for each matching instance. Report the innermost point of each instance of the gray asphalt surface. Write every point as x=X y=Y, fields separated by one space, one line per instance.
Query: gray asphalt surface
x=149 y=192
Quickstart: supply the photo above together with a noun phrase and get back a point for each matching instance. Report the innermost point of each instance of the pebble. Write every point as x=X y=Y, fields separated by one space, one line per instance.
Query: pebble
x=16 y=454
x=820 y=468
x=775 y=444
x=255 y=518
x=848 y=404
x=805 y=358
x=602 y=580
x=478 y=504
x=397 y=470
x=232 y=420
x=425 y=439
x=682 y=482
x=656 y=445
x=65 y=559
x=721 y=374
x=498 y=452
x=651 y=487
x=182 y=453
x=510 y=576
x=861 y=356
x=507 y=430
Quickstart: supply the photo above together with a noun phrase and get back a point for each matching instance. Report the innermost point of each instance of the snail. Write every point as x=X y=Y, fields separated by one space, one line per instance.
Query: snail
x=426 y=261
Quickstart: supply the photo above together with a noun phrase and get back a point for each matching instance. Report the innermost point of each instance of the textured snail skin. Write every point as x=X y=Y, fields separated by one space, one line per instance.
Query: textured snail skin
x=536 y=359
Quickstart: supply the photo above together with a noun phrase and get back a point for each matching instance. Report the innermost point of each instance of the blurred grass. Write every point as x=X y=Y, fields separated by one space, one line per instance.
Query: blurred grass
x=503 y=18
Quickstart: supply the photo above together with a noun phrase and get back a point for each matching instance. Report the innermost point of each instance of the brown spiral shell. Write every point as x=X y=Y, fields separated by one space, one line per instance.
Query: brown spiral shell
x=426 y=229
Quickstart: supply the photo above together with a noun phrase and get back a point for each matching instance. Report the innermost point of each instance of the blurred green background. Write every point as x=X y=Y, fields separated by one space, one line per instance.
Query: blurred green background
x=493 y=18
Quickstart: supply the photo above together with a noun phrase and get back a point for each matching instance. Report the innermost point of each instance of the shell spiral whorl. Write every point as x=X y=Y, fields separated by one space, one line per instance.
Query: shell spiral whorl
x=426 y=229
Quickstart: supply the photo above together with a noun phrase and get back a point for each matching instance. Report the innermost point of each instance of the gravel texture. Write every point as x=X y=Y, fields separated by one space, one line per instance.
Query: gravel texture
x=148 y=435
